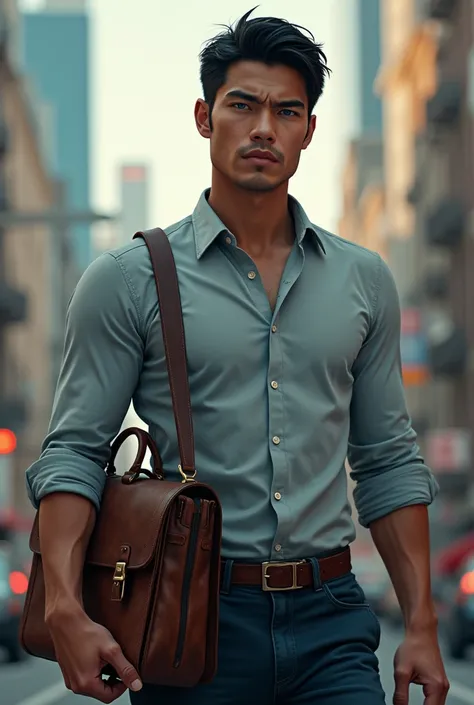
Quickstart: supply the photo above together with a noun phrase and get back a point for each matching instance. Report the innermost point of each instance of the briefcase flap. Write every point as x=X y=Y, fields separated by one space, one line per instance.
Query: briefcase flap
x=146 y=505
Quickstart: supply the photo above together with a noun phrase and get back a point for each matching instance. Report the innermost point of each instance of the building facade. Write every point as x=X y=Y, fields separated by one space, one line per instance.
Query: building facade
x=406 y=81
x=363 y=211
x=25 y=293
x=134 y=184
x=59 y=33
x=444 y=201
x=427 y=129
x=413 y=203
x=362 y=182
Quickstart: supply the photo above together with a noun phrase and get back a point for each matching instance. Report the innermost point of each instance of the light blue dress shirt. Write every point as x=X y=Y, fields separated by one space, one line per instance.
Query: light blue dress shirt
x=279 y=398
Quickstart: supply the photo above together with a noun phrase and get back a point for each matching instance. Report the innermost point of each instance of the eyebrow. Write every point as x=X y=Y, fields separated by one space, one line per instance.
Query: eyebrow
x=292 y=103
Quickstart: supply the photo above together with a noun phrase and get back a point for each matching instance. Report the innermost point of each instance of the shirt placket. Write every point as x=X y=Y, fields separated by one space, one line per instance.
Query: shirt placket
x=247 y=268
x=275 y=379
x=278 y=423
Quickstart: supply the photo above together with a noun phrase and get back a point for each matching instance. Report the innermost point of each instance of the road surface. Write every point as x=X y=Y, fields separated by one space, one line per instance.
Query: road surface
x=39 y=683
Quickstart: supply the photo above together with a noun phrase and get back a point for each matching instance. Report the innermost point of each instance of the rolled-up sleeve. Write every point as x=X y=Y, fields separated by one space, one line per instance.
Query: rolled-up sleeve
x=102 y=360
x=383 y=453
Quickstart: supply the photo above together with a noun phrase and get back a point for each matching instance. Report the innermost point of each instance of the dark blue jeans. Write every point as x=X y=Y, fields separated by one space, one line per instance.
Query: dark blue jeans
x=302 y=647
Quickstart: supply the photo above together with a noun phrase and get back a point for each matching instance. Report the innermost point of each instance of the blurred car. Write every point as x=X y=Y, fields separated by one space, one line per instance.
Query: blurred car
x=459 y=628
x=373 y=577
x=449 y=560
x=13 y=586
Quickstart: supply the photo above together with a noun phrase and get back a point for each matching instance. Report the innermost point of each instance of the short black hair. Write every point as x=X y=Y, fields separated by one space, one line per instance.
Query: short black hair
x=267 y=39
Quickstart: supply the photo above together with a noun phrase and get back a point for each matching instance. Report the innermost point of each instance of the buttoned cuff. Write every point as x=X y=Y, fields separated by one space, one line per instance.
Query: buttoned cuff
x=65 y=471
x=384 y=493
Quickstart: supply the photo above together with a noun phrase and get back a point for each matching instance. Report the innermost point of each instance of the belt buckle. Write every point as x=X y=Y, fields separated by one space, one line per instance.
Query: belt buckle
x=277 y=564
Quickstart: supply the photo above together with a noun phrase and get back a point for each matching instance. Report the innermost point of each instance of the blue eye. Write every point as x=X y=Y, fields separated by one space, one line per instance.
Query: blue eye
x=239 y=106
x=288 y=112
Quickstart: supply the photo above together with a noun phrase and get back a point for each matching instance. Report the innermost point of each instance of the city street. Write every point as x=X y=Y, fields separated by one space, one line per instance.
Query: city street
x=39 y=683
x=296 y=335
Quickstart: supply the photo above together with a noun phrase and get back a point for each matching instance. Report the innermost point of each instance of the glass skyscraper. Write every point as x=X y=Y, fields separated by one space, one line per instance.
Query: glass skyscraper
x=55 y=52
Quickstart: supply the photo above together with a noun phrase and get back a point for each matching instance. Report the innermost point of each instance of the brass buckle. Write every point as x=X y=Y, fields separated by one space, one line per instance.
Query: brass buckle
x=265 y=577
x=186 y=478
x=119 y=578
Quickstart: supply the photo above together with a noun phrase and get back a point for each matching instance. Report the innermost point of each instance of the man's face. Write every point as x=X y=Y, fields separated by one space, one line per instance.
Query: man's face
x=259 y=125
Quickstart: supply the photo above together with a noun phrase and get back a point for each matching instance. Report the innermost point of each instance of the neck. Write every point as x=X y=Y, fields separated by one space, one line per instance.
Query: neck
x=258 y=221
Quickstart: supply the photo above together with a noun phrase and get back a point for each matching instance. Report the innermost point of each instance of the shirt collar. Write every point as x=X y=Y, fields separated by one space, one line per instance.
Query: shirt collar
x=208 y=226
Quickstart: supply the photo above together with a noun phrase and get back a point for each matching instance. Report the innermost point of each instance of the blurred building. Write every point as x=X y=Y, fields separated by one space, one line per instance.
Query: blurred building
x=424 y=82
x=55 y=47
x=409 y=196
x=362 y=218
x=134 y=191
x=405 y=82
x=25 y=273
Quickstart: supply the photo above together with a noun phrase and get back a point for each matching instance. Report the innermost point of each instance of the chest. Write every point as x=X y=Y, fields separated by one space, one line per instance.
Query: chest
x=271 y=272
x=318 y=322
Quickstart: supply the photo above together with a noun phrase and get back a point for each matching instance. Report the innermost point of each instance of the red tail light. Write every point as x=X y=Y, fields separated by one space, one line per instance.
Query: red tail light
x=466 y=585
x=18 y=582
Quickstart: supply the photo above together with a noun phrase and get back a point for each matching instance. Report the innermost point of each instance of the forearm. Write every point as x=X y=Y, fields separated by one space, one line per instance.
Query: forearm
x=402 y=539
x=66 y=522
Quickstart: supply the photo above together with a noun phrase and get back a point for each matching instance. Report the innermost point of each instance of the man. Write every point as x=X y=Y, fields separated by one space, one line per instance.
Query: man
x=293 y=352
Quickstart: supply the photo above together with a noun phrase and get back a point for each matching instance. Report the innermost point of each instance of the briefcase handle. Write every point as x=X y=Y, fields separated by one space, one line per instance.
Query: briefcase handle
x=171 y=318
x=145 y=441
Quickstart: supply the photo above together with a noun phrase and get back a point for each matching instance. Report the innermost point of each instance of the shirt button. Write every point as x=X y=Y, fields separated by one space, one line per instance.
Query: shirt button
x=274 y=385
x=251 y=275
x=276 y=440
x=274 y=329
x=228 y=240
x=277 y=495
x=278 y=547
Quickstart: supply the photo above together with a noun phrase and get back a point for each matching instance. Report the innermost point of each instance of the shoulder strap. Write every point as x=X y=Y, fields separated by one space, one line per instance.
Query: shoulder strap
x=171 y=316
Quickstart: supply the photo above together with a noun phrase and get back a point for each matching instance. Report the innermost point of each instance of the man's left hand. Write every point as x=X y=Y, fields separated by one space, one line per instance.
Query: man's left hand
x=418 y=660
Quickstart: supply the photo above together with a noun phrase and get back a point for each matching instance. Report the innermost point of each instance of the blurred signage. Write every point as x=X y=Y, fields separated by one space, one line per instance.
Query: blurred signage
x=448 y=450
x=414 y=350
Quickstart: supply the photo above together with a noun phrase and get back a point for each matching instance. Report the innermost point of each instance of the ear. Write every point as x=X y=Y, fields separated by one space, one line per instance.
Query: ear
x=310 y=132
x=201 y=117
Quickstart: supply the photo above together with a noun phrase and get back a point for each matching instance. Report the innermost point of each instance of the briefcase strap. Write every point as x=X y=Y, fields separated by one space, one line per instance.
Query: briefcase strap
x=171 y=317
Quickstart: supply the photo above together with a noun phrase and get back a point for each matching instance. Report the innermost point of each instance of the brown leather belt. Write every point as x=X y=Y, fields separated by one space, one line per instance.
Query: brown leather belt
x=278 y=575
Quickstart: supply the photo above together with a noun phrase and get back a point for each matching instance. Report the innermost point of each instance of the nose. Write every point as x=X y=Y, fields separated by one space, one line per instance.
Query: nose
x=263 y=130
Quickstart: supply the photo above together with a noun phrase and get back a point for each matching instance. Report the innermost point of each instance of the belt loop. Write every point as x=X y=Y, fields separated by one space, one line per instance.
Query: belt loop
x=227 y=577
x=316 y=574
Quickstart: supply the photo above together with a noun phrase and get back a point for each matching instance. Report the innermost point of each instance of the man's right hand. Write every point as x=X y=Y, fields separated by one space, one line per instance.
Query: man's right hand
x=83 y=650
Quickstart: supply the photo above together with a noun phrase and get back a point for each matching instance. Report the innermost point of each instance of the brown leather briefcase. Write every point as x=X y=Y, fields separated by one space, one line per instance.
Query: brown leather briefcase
x=151 y=574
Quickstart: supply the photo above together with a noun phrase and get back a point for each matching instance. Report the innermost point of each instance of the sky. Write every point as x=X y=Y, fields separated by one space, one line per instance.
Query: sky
x=144 y=72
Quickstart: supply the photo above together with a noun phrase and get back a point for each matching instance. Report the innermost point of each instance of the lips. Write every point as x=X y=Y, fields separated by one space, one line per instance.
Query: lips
x=260 y=154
